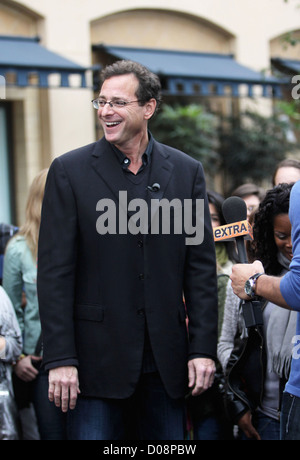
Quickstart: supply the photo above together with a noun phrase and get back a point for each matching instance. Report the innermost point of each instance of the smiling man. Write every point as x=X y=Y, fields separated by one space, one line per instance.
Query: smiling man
x=114 y=322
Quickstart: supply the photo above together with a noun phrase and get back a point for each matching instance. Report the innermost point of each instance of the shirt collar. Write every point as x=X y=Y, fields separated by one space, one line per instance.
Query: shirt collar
x=146 y=157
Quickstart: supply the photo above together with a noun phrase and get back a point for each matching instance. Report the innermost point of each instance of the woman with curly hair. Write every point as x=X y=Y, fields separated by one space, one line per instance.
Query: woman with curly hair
x=269 y=242
x=257 y=412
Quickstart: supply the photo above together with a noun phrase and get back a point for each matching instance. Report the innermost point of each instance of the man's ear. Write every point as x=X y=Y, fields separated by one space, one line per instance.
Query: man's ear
x=150 y=107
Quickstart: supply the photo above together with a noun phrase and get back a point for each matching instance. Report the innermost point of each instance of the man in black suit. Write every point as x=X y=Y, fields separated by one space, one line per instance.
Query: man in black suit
x=114 y=285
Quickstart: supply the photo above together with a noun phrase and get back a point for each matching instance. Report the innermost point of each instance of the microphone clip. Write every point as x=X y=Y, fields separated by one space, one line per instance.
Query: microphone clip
x=154 y=187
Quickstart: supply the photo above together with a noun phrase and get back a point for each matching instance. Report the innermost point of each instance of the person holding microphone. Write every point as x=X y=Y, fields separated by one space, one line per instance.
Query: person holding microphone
x=249 y=280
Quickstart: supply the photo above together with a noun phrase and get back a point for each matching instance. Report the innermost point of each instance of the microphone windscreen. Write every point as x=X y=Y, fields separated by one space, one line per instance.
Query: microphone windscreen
x=234 y=209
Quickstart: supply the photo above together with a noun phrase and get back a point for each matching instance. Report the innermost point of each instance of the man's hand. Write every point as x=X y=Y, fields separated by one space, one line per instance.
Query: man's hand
x=240 y=274
x=245 y=424
x=201 y=374
x=25 y=370
x=64 y=387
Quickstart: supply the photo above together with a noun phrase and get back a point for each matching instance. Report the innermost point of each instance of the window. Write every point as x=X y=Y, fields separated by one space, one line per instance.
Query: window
x=5 y=176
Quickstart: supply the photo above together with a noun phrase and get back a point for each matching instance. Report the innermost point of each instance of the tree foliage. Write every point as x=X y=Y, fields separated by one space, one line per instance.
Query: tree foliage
x=292 y=110
x=190 y=129
x=246 y=148
x=252 y=146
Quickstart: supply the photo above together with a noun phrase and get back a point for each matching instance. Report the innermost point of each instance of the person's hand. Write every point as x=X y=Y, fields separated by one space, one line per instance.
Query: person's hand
x=24 y=368
x=64 y=387
x=201 y=374
x=245 y=424
x=241 y=273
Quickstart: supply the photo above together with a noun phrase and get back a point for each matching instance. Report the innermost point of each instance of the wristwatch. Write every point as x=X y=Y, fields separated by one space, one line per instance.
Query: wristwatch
x=250 y=285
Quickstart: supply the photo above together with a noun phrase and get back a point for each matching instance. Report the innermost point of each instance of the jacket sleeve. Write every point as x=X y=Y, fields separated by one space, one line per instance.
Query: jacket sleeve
x=9 y=329
x=12 y=278
x=229 y=326
x=200 y=280
x=57 y=254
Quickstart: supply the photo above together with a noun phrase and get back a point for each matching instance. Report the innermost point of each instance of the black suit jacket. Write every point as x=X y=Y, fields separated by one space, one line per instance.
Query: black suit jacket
x=98 y=292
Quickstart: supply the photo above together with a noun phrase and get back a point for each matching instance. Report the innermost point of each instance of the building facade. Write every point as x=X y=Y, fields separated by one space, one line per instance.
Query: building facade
x=45 y=108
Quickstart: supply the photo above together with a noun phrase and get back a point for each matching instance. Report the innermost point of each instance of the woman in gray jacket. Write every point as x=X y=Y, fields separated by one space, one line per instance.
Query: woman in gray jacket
x=10 y=349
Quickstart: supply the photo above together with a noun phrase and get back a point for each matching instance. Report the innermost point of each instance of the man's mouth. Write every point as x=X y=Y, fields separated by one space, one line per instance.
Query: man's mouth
x=111 y=124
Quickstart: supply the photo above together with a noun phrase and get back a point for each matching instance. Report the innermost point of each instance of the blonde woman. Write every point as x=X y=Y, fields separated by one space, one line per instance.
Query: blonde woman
x=19 y=275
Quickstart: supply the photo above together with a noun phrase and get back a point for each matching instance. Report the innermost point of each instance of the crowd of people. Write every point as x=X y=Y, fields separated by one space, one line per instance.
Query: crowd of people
x=139 y=335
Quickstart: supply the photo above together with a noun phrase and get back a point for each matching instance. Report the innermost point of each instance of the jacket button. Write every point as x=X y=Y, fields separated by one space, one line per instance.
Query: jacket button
x=140 y=243
x=141 y=276
x=141 y=312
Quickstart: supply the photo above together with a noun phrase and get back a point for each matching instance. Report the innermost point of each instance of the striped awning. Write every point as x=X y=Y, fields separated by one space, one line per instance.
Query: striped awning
x=193 y=73
x=24 y=62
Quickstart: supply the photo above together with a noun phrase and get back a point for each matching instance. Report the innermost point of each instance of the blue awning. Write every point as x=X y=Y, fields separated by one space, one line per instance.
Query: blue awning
x=286 y=66
x=193 y=73
x=24 y=57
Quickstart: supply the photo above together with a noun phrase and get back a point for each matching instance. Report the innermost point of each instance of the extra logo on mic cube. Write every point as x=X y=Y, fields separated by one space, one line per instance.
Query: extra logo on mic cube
x=230 y=231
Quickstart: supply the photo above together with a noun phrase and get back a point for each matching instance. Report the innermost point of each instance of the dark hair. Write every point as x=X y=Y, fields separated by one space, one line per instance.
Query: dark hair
x=276 y=201
x=217 y=200
x=149 y=83
x=287 y=163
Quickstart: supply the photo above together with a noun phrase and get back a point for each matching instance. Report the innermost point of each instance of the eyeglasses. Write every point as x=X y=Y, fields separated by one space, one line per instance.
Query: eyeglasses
x=252 y=208
x=118 y=103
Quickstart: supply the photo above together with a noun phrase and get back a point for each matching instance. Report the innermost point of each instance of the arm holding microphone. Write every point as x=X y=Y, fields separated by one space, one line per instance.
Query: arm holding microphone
x=266 y=286
x=283 y=291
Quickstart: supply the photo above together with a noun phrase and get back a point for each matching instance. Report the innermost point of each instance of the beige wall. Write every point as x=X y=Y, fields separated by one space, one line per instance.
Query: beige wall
x=253 y=22
x=279 y=46
x=17 y=20
x=161 y=29
x=25 y=108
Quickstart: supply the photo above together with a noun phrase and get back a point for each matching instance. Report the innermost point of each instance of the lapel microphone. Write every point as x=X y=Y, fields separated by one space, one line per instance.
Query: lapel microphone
x=154 y=187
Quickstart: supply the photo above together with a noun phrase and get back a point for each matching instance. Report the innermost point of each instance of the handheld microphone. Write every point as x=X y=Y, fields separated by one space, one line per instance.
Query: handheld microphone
x=154 y=187
x=235 y=211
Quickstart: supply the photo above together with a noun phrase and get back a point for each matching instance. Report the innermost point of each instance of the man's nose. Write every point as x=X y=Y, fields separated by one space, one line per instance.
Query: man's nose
x=105 y=110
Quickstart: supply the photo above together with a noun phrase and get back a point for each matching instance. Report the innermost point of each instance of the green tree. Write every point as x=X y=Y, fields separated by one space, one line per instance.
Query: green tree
x=250 y=148
x=292 y=110
x=245 y=148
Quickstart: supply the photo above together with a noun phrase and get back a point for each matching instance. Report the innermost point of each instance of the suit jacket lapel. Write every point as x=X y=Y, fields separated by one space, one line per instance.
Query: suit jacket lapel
x=106 y=164
x=161 y=171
